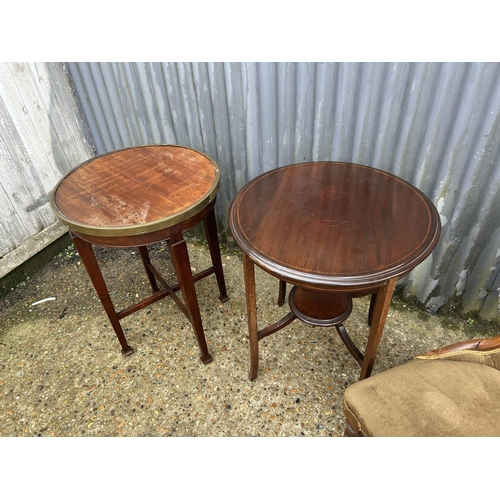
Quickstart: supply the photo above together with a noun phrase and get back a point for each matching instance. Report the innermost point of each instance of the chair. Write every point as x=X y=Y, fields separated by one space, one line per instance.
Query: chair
x=451 y=391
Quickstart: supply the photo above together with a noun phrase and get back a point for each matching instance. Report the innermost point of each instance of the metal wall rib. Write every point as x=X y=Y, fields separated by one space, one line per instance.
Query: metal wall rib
x=434 y=124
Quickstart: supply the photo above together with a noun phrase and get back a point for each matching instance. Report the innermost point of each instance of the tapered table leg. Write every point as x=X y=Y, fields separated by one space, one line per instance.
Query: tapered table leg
x=180 y=259
x=146 y=261
x=210 y=226
x=282 y=293
x=381 y=305
x=372 y=306
x=90 y=262
x=251 y=299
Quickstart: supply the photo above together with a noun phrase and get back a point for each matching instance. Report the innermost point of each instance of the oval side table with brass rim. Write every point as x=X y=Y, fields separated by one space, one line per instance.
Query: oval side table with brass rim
x=334 y=230
x=137 y=197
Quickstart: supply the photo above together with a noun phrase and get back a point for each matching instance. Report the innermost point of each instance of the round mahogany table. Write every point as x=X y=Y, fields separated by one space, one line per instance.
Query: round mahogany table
x=137 y=197
x=335 y=231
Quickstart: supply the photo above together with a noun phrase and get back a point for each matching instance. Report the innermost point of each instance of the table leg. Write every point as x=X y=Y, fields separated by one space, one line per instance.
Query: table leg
x=373 y=298
x=146 y=261
x=251 y=299
x=180 y=259
x=92 y=266
x=381 y=305
x=210 y=226
x=282 y=293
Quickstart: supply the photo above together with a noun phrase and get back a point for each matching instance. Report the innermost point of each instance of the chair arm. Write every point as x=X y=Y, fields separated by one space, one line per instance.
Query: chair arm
x=483 y=351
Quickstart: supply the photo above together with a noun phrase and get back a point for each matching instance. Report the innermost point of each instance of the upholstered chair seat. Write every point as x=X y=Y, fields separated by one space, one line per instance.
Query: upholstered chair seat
x=453 y=391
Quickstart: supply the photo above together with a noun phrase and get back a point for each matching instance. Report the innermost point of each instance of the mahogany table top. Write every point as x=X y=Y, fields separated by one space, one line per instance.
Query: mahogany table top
x=334 y=224
x=136 y=190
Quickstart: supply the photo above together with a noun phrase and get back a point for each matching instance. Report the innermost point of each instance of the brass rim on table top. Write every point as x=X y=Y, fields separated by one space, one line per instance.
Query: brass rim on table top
x=138 y=229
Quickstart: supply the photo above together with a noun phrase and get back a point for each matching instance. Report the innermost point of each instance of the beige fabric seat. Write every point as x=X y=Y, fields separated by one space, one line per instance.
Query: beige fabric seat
x=453 y=391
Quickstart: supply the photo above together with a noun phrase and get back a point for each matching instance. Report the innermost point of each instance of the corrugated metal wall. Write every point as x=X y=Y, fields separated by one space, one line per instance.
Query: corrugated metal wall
x=434 y=124
x=41 y=138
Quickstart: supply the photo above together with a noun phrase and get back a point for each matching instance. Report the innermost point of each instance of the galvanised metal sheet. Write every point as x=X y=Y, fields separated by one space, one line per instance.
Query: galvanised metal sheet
x=435 y=125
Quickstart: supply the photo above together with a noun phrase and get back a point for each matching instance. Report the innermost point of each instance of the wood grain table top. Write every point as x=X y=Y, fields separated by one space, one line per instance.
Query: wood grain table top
x=135 y=190
x=334 y=224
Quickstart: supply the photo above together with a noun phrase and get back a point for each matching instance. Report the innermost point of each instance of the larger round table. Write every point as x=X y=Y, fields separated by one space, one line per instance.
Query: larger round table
x=136 y=197
x=335 y=231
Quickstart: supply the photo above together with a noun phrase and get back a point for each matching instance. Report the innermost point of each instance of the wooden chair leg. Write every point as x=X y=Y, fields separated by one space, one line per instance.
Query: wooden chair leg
x=350 y=432
x=90 y=262
x=180 y=259
x=210 y=226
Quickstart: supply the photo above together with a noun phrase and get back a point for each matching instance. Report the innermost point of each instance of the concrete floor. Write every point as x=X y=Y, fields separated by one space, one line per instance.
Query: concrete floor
x=62 y=372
